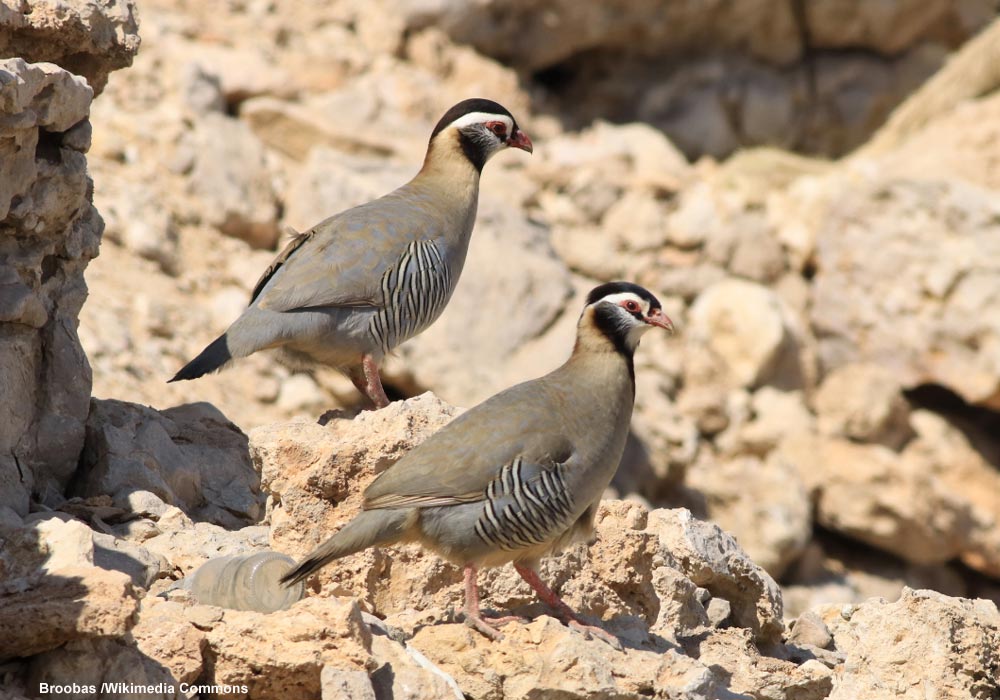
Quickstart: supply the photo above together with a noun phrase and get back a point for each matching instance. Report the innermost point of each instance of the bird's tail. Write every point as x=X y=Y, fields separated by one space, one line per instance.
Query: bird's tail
x=369 y=529
x=210 y=359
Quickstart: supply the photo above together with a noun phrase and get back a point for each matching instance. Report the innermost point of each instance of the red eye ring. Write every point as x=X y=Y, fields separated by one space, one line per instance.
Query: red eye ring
x=498 y=128
x=631 y=306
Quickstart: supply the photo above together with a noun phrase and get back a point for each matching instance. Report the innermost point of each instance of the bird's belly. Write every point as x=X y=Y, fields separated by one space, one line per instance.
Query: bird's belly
x=332 y=336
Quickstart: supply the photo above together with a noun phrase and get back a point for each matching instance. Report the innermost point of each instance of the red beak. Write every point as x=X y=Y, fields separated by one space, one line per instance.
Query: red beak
x=657 y=318
x=519 y=139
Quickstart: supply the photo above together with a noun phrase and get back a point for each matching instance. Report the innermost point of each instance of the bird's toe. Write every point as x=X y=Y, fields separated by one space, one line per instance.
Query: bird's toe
x=481 y=626
x=592 y=632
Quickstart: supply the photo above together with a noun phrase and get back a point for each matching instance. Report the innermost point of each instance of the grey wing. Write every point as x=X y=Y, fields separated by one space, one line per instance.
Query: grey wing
x=458 y=463
x=342 y=261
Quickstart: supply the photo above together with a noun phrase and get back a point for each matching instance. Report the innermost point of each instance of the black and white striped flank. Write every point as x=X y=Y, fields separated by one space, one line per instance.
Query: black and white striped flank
x=414 y=293
x=523 y=510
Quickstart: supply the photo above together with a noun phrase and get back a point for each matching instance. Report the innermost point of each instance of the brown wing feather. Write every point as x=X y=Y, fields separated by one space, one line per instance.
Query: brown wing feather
x=294 y=244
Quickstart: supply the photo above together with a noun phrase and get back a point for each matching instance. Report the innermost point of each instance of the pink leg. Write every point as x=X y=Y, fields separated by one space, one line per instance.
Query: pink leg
x=473 y=617
x=369 y=383
x=550 y=598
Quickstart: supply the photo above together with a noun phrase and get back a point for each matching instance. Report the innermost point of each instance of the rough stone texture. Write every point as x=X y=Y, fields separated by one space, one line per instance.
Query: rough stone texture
x=52 y=593
x=48 y=233
x=713 y=560
x=91 y=38
x=284 y=654
x=924 y=643
x=864 y=403
x=877 y=267
x=912 y=300
x=164 y=648
x=189 y=456
x=317 y=473
x=932 y=503
x=229 y=180
x=747 y=327
x=763 y=503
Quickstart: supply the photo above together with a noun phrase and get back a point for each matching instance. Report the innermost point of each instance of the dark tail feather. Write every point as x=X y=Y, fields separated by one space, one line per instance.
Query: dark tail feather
x=368 y=529
x=210 y=359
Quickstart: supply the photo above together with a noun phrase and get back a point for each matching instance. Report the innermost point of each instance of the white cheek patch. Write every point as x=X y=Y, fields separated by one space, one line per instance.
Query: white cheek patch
x=481 y=118
x=617 y=299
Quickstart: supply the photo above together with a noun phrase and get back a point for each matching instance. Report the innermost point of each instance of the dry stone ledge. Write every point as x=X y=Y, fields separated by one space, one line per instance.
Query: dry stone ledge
x=924 y=643
x=91 y=38
x=189 y=456
x=52 y=593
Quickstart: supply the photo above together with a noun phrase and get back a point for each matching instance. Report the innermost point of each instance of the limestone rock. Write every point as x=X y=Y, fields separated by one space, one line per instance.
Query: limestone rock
x=135 y=218
x=285 y=654
x=521 y=34
x=943 y=450
x=545 y=657
x=164 y=651
x=713 y=560
x=230 y=181
x=340 y=683
x=912 y=300
x=747 y=327
x=91 y=38
x=763 y=503
x=317 y=473
x=189 y=456
x=48 y=233
x=923 y=643
x=869 y=493
x=404 y=673
x=49 y=609
x=731 y=653
x=865 y=403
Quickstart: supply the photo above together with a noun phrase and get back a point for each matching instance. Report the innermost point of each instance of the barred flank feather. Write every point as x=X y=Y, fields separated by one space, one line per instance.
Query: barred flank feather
x=414 y=293
x=519 y=512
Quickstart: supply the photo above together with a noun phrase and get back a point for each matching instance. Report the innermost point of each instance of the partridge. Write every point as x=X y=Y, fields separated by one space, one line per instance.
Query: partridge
x=519 y=476
x=360 y=283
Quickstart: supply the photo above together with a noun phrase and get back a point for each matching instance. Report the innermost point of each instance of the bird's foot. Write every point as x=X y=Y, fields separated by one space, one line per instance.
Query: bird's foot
x=477 y=623
x=593 y=632
x=505 y=619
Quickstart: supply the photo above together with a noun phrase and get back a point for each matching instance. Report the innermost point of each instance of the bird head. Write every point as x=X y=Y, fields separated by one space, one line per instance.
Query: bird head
x=480 y=128
x=622 y=312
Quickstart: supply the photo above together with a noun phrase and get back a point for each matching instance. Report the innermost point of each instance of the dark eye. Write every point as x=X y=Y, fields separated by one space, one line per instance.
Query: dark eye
x=632 y=306
x=498 y=128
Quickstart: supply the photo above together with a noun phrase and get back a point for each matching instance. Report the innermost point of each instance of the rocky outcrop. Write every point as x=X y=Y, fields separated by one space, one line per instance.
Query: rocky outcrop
x=829 y=400
x=698 y=619
x=190 y=457
x=86 y=37
x=49 y=230
x=57 y=588
x=48 y=233
x=955 y=640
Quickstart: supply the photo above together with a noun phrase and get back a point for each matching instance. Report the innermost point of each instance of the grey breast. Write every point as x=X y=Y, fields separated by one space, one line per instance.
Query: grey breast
x=414 y=291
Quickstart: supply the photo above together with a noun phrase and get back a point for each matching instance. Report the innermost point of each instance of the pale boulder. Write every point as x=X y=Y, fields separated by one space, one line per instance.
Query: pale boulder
x=747 y=327
x=924 y=643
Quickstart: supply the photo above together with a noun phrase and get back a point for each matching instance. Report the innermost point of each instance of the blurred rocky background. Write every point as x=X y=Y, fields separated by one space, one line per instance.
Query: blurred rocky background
x=812 y=187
